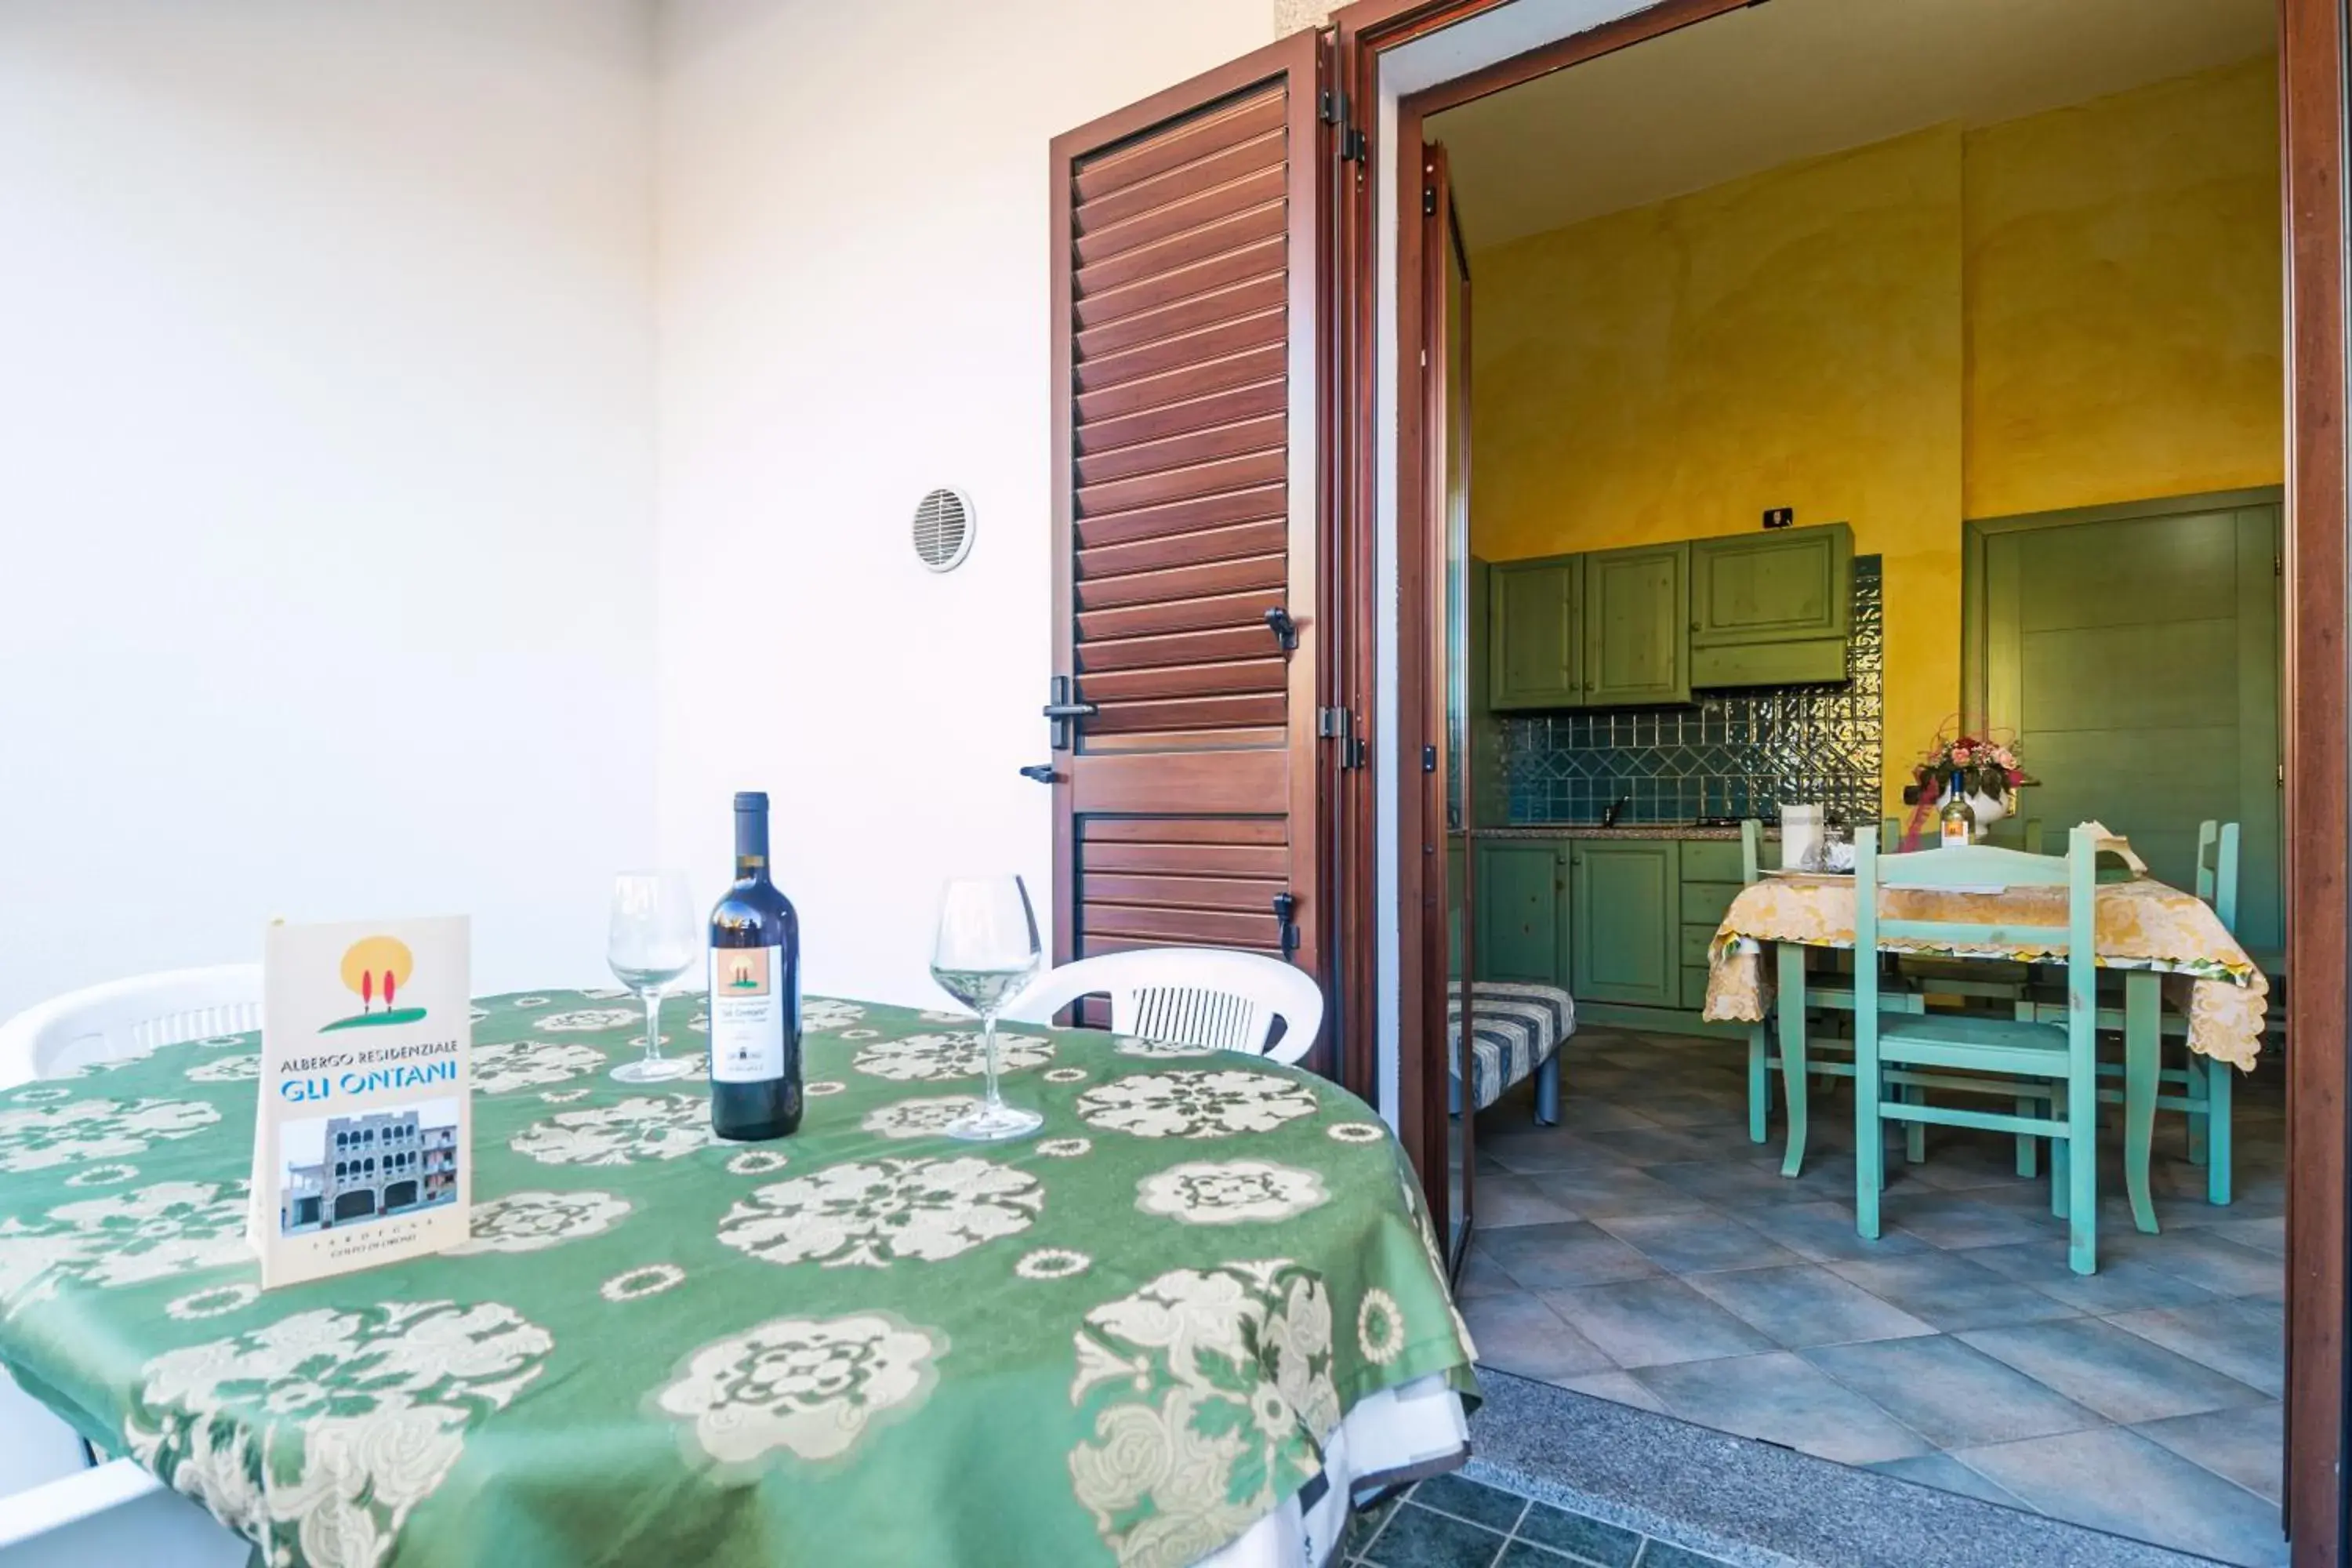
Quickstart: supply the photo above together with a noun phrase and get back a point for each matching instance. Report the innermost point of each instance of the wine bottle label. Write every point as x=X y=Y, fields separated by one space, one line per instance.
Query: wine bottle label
x=748 y=1013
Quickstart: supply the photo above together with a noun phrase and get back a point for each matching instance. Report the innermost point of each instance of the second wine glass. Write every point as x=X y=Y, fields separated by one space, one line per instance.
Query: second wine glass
x=985 y=952
x=655 y=936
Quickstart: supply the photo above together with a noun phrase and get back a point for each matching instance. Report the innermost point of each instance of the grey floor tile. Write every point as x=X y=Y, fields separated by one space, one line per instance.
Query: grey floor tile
x=1824 y=1232
x=1783 y=1399
x=2204 y=1259
x=1506 y=1202
x=2118 y=1374
x=2247 y=1445
x=1952 y=1395
x=1481 y=1275
x=1656 y=1145
x=1588 y=1540
x=1730 y=1183
x=2242 y=1339
x=1806 y=1305
x=1489 y=1506
x=1693 y=1107
x=1654 y=1321
x=1562 y=1148
x=1953 y=1220
x=2115 y=1480
x=1946 y=1474
x=2262 y=1235
x=1417 y=1537
x=2121 y=1285
x=1691 y=1243
x=1517 y=1333
x=1561 y=1257
x=1949 y=1290
x=1598 y=1192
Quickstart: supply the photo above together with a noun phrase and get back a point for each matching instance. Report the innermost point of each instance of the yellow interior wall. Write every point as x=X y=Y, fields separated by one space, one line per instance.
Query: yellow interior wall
x=2124 y=298
x=2081 y=306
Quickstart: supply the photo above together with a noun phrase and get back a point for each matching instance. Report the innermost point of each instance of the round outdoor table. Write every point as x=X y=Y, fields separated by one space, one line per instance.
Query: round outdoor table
x=1127 y=1339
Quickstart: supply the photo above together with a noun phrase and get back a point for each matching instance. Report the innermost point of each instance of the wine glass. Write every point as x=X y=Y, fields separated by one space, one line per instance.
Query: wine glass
x=986 y=951
x=655 y=937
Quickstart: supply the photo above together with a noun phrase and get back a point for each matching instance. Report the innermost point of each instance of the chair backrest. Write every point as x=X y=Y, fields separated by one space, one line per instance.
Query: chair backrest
x=125 y=1019
x=1979 y=869
x=1751 y=849
x=1187 y=995
x=2217 y=871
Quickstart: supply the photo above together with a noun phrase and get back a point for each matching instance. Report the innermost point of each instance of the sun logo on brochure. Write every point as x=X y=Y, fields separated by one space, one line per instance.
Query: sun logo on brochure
x=375 y=968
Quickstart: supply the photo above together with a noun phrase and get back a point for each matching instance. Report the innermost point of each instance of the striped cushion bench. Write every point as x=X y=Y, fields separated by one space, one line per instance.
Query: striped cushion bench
x=1519 y=1030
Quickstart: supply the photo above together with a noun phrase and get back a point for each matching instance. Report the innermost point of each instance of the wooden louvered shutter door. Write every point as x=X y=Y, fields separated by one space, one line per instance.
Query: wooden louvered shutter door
x=1188 y=503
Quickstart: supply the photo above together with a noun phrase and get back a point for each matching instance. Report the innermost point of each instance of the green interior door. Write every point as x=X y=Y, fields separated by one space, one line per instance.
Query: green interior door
x=2136 y=658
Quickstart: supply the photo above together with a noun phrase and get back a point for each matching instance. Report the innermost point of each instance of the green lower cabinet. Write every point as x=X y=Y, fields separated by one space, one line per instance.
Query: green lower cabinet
x=1521 y=897
x=1625 y=924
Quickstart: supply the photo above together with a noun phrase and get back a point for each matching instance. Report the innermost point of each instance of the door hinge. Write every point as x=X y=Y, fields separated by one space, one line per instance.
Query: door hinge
x=1429 y=199
x=1429 y=759
x=1340 y=724
x=2278 y=565
x=1331 y=106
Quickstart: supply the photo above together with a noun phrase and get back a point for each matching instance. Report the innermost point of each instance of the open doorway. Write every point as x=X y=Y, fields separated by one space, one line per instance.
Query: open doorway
x=1987 y=300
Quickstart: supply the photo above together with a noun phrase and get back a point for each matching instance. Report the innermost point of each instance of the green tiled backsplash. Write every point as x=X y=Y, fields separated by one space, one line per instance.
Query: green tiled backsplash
x=1732 y=753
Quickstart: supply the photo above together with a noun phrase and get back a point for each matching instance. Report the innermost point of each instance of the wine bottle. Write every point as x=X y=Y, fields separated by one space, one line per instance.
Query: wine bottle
x=1958 y=821
x=755 y=993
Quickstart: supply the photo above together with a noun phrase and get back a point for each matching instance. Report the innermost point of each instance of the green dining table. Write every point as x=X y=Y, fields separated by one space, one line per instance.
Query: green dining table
x=1125 y=1340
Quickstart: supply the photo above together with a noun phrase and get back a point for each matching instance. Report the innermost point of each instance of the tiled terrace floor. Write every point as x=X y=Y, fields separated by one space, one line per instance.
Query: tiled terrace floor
x=1646 y=1251
x=1449 y=1521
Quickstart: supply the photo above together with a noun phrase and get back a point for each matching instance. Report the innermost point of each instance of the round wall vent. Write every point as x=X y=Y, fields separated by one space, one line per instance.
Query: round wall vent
x=943 y=527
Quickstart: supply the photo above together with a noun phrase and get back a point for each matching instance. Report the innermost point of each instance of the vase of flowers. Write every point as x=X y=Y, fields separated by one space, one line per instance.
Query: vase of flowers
x=1983 y=770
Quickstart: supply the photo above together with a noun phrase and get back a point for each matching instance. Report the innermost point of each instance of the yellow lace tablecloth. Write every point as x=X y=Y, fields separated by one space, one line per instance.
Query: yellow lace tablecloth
x=2142 y=924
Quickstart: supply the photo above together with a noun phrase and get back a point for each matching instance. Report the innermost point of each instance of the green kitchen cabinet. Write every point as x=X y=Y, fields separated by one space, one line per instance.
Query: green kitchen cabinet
x=1536 y=615
x=1626 y=923
x=1522 y=896
x=1636 y=625
x=1772 y=609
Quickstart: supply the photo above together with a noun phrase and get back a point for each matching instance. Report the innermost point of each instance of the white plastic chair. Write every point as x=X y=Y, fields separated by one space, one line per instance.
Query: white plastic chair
x=125 y=1019
x=53 y=1509
x=1187 y=995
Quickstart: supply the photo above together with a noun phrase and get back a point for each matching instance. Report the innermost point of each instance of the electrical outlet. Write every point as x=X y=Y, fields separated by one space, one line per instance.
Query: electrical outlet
x=1779 y=516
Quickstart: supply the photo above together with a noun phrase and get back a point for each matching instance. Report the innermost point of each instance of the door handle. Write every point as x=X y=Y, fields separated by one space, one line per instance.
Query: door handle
x=1042 y=771
x=1059 y=711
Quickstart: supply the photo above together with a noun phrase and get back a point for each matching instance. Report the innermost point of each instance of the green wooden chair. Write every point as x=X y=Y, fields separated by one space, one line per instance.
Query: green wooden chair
x=2198 y=1089
x=1989 y=1054
x=1764 y=1059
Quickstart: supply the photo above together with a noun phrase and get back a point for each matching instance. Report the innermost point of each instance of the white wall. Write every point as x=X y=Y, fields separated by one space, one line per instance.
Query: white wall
x=326 y=475
x=853 y=308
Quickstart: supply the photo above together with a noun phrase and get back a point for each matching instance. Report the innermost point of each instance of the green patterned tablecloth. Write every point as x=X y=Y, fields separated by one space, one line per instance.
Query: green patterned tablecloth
x=1117 y=1342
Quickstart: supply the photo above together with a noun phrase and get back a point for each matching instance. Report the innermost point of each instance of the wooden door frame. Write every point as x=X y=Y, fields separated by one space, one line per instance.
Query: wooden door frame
x=2316 y=681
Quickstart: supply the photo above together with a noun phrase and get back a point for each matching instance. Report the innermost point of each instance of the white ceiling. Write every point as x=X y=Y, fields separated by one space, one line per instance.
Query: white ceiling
x=1796 y=78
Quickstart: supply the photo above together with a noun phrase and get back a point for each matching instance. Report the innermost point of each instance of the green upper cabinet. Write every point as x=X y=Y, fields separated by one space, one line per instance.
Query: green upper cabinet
x=1771 y=609
x=1521 y=892
x=1637 y=633
x=1625 y=926
x=1537 y=610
